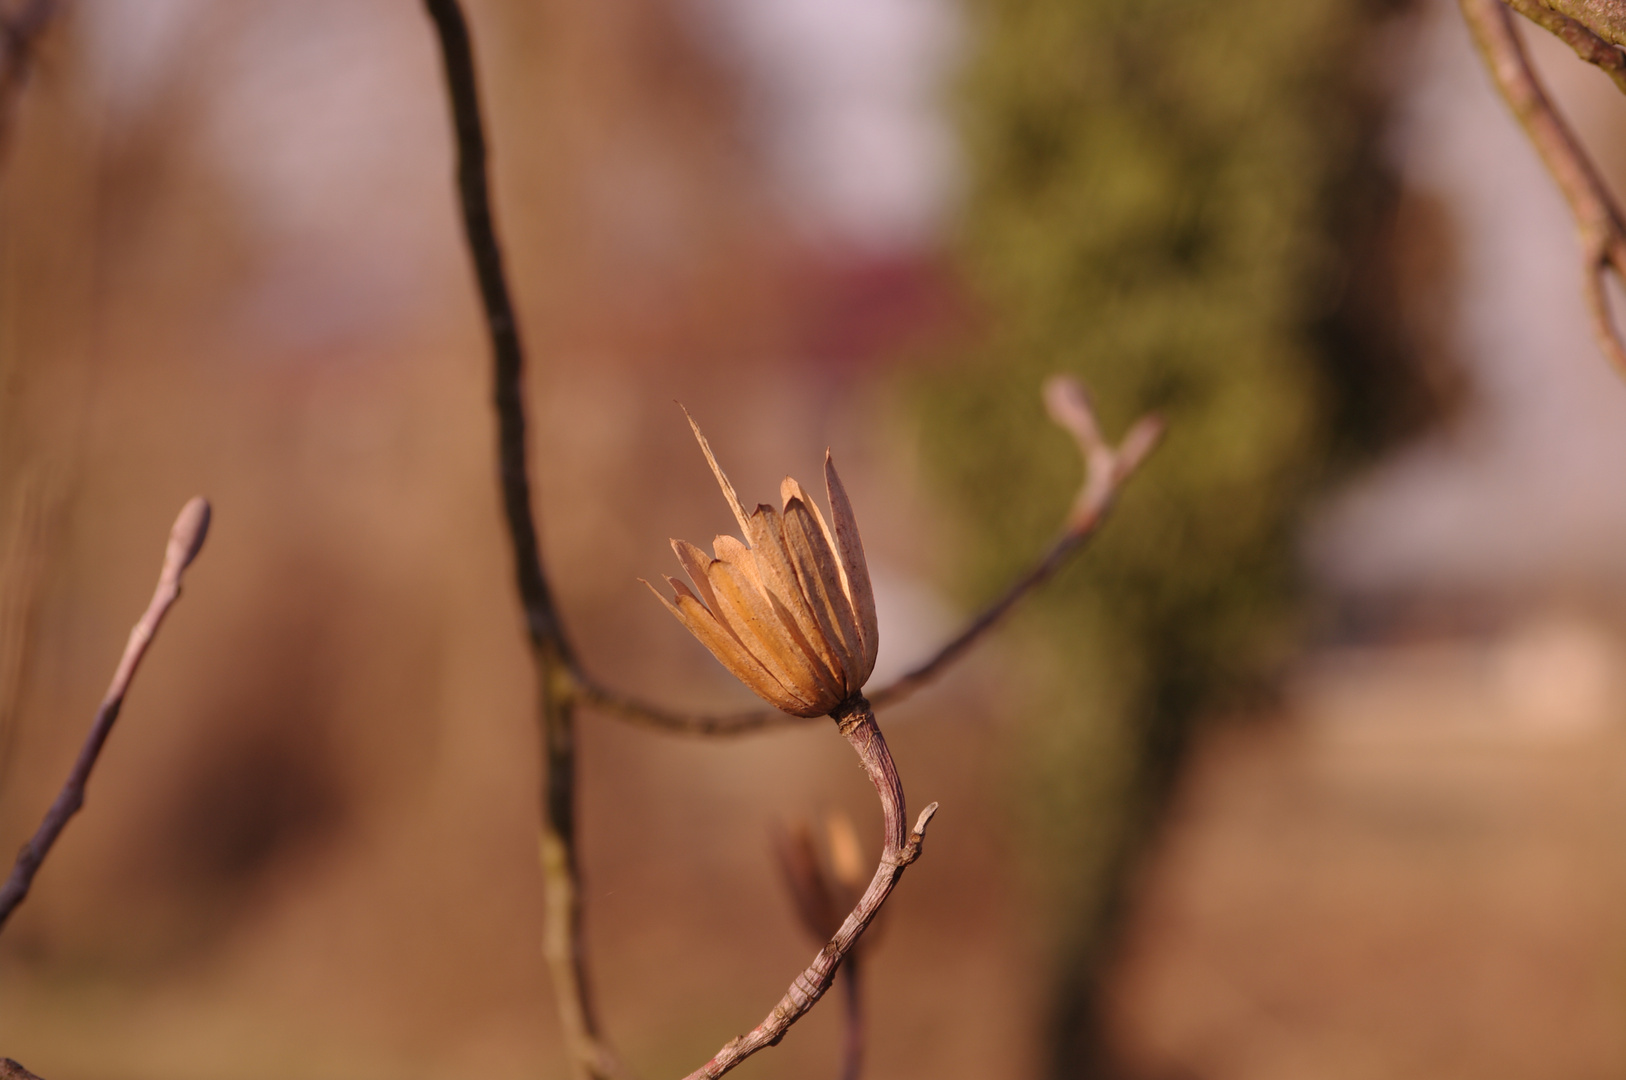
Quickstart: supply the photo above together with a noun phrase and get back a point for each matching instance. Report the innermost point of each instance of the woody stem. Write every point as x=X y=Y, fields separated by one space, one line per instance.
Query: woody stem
x=900 y=847
x=551 y=656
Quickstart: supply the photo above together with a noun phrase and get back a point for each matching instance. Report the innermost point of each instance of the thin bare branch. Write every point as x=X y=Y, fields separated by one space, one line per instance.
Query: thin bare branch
x=1107 y=469
x=899 y=849
x=185 y=538
x=1598 y=221
x=1594 y=284
x=1587 y=45
x=18 y=34
x=563 y=942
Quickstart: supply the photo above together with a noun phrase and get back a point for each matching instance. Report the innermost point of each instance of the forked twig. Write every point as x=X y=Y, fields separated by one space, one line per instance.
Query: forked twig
x=1598 y=221
x=185 y=538
x=900 y=847
x=1107 y=468
x=563 y=682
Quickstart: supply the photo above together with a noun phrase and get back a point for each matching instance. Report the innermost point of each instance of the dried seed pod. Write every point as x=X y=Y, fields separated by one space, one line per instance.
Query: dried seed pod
x=789 y=611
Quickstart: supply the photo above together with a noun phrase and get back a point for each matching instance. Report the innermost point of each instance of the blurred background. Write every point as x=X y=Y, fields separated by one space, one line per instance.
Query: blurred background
x=1312 y=765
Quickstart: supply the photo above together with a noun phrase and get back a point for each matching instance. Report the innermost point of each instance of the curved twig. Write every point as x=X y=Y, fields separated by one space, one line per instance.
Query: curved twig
x=899 y=849
x=185 y=538
x=1578 y=36
x=1597 y=219
x=1107 y=468
x=563 y=942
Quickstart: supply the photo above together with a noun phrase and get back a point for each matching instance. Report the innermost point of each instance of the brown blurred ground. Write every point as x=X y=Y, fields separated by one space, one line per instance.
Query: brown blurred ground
x=1415 y=872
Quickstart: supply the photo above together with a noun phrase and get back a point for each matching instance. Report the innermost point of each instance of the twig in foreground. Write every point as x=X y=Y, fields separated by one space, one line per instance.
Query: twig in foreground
x=1578 y=36
x=185 y=538
x=1107 y=468
x=1597 y=220
x=900 y=848
x=562 y=939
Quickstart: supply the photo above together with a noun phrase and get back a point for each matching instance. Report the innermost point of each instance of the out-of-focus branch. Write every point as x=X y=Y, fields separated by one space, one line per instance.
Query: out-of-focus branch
x=185 y=538
x=1598 y=222
x=821 y=893
x=852 y=1031
x=1107 y=469
x=551 y=655
x=18 y=33
x=1587 y=45
x=899 y=848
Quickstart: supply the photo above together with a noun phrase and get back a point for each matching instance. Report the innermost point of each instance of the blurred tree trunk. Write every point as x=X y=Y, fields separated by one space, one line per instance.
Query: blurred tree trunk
x=1184 y=203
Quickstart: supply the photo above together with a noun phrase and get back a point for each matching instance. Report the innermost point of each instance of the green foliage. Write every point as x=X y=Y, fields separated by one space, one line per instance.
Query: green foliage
x=1162 y=195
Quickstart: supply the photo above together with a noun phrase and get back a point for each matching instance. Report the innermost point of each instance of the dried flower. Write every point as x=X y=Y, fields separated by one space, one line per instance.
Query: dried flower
x=792 y=615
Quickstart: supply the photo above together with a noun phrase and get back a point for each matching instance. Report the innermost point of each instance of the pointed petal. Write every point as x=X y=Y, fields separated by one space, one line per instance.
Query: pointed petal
x=820 y=578
x=851 y=549
x=695 y=563
x=734 y=503
x=729 y=652
x=775 y=572
x=789 y=489
x=821 y=680
x=743 y=607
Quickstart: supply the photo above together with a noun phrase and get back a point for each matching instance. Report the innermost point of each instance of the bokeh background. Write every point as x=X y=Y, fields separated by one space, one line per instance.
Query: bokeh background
x=1313 y=765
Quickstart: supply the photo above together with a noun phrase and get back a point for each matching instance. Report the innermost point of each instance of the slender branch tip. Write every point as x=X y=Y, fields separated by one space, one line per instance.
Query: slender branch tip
x=186 y=537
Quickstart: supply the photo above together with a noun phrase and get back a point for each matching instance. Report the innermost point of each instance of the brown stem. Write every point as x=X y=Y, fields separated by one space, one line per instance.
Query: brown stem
x=185 y=538
x=1587 y=45
x=899 y=848
x=1107 y=469
x=852 y=1039
x=551 y=655
x=1597 y=220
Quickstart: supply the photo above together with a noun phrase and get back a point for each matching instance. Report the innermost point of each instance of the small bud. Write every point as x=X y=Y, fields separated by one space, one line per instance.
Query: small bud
x=187 y=534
